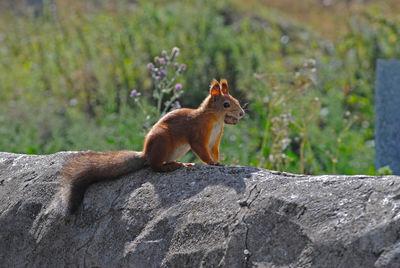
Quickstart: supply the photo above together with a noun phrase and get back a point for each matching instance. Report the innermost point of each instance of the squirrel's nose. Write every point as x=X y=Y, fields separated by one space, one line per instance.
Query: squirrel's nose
x=241 y=114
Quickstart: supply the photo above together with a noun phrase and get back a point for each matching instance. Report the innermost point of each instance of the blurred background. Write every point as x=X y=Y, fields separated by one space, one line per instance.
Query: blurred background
x=78 y=75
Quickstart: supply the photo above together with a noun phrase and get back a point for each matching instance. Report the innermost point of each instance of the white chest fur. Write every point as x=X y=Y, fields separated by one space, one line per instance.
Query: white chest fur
x=178 y=152
x=216 y=130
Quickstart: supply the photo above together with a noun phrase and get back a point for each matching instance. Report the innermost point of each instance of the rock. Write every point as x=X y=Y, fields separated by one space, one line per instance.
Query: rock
x=201 y=216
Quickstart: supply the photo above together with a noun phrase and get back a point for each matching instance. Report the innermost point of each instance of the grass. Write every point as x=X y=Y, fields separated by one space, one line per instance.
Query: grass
x=66 y=78
x=329 y=18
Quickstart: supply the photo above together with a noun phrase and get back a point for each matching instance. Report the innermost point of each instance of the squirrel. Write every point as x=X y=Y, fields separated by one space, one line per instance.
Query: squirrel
x=170 y=138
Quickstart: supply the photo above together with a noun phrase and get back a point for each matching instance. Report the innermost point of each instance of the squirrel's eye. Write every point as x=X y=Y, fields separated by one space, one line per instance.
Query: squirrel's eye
x=226 y=104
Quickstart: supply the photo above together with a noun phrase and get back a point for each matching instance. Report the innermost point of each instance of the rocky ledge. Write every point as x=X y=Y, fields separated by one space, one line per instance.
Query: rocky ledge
x=201 y=216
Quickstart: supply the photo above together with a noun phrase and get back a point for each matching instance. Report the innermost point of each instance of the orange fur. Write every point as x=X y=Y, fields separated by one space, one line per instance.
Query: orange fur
x=172 y=136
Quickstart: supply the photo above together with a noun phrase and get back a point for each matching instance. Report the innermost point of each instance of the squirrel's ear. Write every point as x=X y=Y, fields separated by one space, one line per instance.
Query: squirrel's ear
x=215 y=89
x=224 y=86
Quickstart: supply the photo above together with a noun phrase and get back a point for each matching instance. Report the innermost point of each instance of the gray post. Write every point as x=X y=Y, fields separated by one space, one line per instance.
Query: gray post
x=387 y=115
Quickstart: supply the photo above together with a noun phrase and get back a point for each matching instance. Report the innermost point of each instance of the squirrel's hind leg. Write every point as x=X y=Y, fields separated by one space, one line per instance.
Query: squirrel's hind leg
x=157 y=152
x=165 y=167
x=172 y=166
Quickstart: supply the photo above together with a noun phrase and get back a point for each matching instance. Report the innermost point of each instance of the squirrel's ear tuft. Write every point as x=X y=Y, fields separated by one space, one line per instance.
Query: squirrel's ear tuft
x=215 y=89
x=224 y=86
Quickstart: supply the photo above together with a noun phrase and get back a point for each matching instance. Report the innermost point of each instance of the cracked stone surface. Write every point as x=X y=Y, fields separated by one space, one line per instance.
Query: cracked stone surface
x=201 y=216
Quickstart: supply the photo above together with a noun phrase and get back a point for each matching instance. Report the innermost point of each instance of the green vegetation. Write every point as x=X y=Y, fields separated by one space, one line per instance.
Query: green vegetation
x=66 y=80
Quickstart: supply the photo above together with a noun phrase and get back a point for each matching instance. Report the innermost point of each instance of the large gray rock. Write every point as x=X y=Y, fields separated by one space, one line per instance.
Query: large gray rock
x=202 y=216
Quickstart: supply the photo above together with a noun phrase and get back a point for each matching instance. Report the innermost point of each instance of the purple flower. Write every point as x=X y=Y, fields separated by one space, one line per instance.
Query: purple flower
x=134 y=93
x=178 y=87
x=182 y=68
x=162 y=61
x=164 y=53
x=176 y=105
x=176 y=65
x=161 y=73
x=150 y=66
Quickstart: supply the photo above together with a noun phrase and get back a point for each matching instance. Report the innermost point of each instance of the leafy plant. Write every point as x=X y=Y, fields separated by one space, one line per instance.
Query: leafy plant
x=383 y=171
x=164 y=72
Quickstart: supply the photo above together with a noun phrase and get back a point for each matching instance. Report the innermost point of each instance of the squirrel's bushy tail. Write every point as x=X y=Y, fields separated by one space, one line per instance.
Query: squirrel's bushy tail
x=89 y=167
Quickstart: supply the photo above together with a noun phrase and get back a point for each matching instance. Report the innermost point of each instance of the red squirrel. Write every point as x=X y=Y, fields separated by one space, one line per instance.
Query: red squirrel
x=170 y=138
